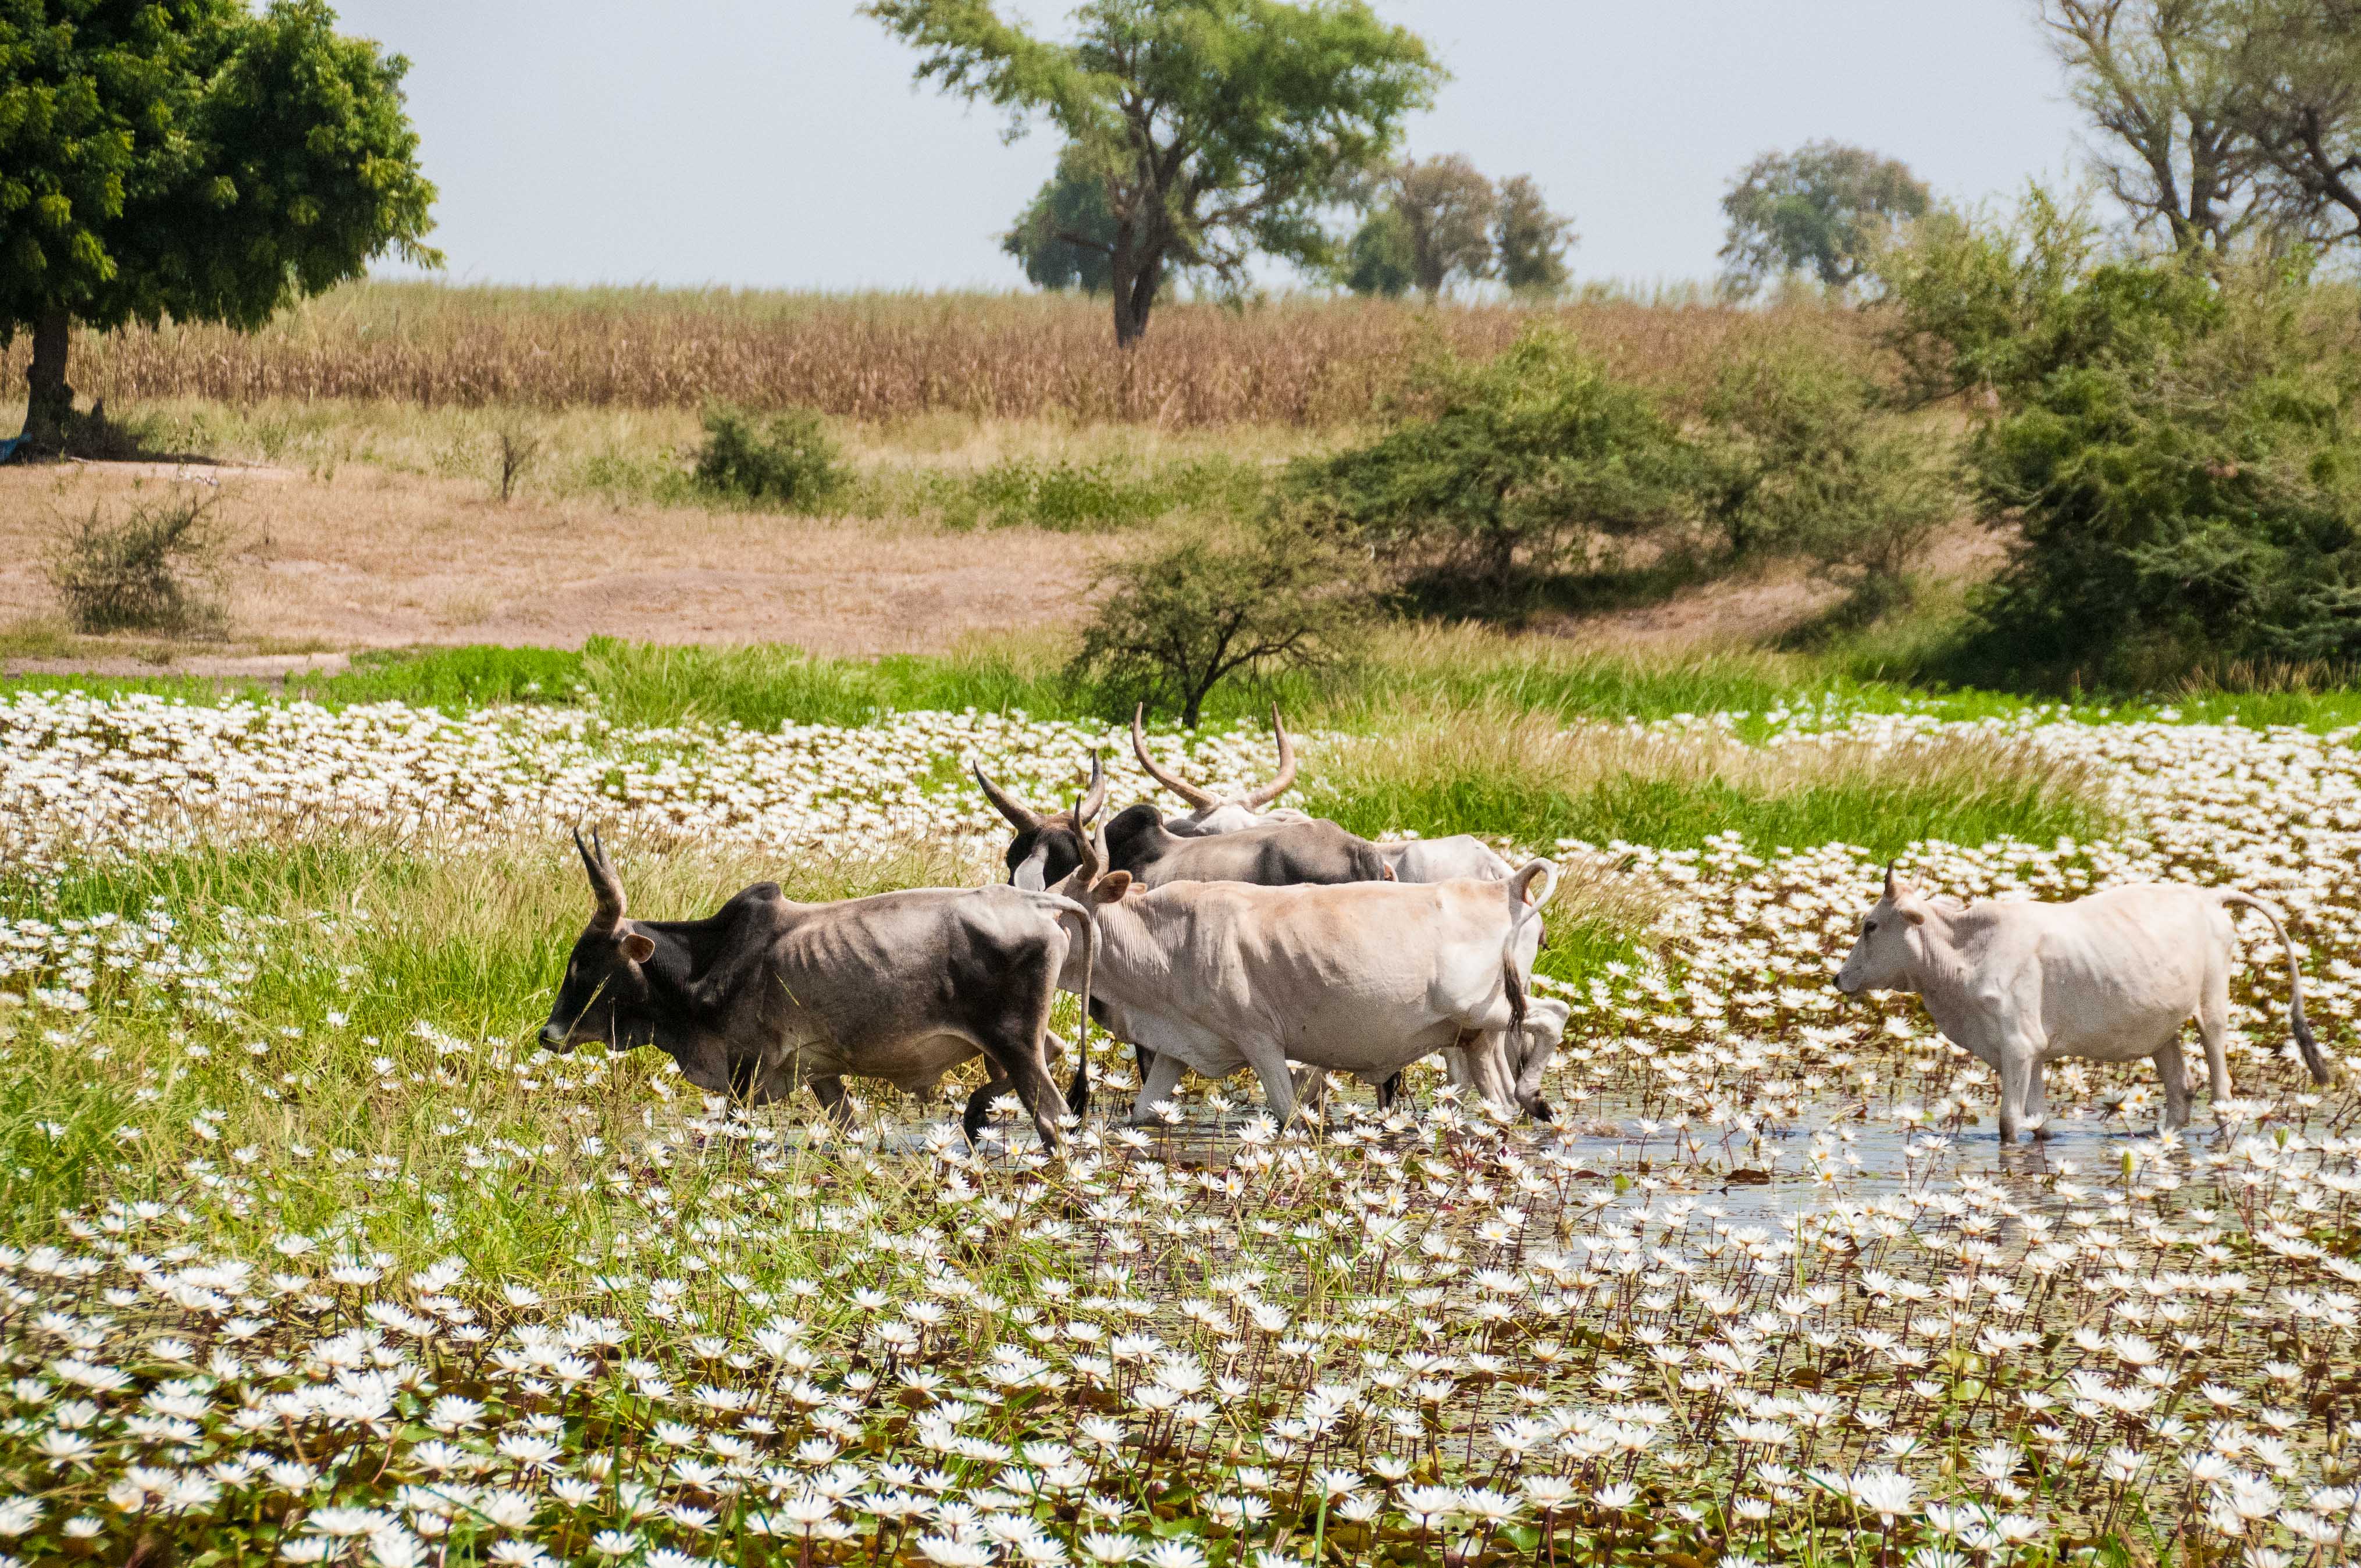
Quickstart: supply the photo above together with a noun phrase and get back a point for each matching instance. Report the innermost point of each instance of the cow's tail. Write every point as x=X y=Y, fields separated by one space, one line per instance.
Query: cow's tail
x=1524 y=904
x=2303 y=1040
x=1078 y=1094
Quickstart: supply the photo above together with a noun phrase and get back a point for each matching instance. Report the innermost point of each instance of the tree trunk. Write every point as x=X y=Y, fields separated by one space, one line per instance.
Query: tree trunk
x=49 y=404
x=1134 y=271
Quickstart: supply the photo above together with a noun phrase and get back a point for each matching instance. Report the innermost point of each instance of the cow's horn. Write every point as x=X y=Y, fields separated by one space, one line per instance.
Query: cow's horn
x=1890 y=882
x=1093 y=795
x=1173 y=782
x=1094 y=849
x=1286 y=776
x=605 y=885
x=1021 y=817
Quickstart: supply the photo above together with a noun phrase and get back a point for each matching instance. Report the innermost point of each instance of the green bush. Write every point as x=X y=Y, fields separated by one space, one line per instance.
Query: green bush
x=785 y=458
x=1498 y=473
x=1174 y=623
x=1803 y=455
x=2178 y=453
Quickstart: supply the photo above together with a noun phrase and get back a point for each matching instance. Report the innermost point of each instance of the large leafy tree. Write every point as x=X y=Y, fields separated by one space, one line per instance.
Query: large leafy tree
x=1218 y=128
x=1818 y=210
x=192 y=158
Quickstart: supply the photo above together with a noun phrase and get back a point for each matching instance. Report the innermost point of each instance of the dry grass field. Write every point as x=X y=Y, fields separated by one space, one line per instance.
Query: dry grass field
x=881 y=356
x=373 y=557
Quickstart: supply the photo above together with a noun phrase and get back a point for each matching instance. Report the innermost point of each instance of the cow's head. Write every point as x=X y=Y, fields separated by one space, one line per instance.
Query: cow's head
x=1048 y=846
x=1214 y=814
x=1889 y=946
x=603 y=994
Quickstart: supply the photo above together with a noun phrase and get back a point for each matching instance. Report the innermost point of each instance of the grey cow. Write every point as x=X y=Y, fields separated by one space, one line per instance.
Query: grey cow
x=766 y=995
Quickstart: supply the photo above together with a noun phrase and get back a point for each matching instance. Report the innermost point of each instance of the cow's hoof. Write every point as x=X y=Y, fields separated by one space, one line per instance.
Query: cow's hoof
x=1539 y=1109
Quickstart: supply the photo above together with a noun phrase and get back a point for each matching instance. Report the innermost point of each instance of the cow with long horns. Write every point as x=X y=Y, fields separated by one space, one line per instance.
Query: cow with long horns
x=766 y=995
x=1410 y=860
x=1048 y=846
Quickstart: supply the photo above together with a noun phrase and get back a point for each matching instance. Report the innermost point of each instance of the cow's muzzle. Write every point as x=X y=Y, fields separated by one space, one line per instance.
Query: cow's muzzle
x=554 y=1037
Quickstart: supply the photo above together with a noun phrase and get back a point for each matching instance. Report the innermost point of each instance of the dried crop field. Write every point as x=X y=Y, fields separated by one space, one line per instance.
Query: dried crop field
x=1308 y=362
x=310 y=1258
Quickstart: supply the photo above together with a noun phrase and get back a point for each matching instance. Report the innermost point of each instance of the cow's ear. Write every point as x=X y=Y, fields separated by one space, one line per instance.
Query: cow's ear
x=1110 y=887
x=636 y=947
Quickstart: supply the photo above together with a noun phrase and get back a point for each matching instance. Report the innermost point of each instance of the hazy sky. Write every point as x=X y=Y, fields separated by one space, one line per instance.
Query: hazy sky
x=782 y=144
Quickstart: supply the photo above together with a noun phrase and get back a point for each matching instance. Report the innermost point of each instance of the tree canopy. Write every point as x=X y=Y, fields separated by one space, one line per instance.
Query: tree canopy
x=1815 y=210
x=1071 y=202
x=1217 y=128
x=192 y=158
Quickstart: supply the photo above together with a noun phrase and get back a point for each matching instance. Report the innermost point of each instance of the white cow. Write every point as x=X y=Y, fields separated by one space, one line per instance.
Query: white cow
x=1359 y=977
x=2110 y=977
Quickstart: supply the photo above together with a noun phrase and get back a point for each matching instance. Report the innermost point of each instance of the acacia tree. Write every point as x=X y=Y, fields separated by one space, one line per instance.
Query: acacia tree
x=188 y=158
x=1818 y=209
x=2299 y=66
x=2154 y=77
x=1219 y=128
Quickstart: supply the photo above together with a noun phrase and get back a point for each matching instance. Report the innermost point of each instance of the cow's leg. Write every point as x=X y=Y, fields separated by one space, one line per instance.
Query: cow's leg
x=833 y=1100
x=2020 y=1067
x=1311 y=1089
x=1541 y=1045
x=2174 y=1071
x=979 y=1105
x=1486 y=1056
x=2213 y=1025
x=1268 y=1060
x=1388 y=1092
x=1162 y=1076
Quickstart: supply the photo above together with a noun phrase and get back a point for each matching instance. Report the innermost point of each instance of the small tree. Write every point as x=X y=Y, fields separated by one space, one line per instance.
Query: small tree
x=1175 y=623
x=1072 y=202
x=193 y=160
x=1217 y=128
x=1446 y=208
x=1500 y=470
x=1529 y=241
x=1818 y=209
x=1378 y=259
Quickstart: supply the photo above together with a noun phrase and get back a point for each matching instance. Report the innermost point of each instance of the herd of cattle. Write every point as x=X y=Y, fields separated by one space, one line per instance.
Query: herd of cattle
x=1240 y=935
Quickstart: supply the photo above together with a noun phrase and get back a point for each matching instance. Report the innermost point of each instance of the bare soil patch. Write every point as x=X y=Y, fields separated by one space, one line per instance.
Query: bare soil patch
x=373 y=558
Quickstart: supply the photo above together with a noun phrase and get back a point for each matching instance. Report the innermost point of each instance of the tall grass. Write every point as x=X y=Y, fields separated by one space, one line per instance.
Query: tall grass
x=1493 y=770
x=397 y=989
x=875 y=357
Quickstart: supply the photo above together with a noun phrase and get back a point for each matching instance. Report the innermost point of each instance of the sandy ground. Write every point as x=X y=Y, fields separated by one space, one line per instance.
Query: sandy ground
x=371 y=558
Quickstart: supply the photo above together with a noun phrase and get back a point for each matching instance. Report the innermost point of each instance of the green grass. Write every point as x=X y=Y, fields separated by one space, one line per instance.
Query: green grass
x=763 y=686
x=1495 y=773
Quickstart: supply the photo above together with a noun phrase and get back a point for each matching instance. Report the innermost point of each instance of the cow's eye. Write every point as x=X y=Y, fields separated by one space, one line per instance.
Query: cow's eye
x=1869 y=927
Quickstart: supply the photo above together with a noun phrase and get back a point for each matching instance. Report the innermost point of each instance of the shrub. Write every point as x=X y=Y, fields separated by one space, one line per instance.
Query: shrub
x=151 y=571
x=1803 y=456
x=786 y=457
x=1503 y=470
x=1174 y=623
x=2176 y=450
